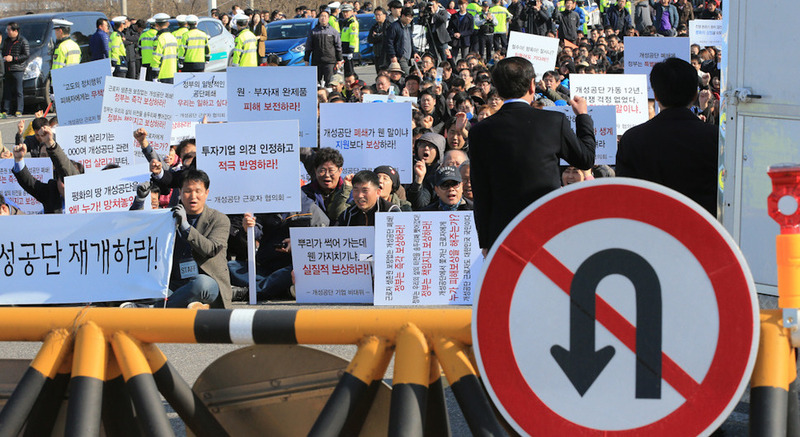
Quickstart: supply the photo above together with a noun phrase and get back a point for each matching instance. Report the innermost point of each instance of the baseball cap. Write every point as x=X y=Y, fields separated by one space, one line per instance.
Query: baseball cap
x=447 y=173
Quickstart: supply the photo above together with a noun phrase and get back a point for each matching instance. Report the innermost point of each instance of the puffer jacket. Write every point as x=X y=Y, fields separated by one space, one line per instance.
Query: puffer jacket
x=19 y=49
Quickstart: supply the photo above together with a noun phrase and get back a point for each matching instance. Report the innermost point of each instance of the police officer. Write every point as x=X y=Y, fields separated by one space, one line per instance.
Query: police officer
x=349 y=25
x=501 y=29
x=193 y=51
x=116 y=47
x=165 y=54
x=245 y=46
x=333 y=9
x=147 y=42
x=67 y=51
x=178 y=33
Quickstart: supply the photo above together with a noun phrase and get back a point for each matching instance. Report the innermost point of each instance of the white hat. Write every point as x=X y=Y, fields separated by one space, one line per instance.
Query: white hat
x=334 y=5
x=120 y=19
x=241 y=17
x=58 y=22
x=192 y=19
x=161 y=17
x=151 y=20
x=181 y=18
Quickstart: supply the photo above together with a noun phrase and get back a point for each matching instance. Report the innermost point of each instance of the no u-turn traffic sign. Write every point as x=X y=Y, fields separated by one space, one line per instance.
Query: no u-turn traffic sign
x=617 y=307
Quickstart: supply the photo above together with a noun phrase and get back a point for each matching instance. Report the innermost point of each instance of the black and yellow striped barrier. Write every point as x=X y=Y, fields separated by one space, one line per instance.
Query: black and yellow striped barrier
x=116 y=347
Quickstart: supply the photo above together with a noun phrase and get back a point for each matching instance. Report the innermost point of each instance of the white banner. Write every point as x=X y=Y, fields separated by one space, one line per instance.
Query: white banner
x=704 y=33
x=78 y=91
x=643 y=52
x=99 y=144
x=330 y=264
x=201 y=94
x=275 y=93
x=368 y=135
x=628 y=92
x=541 y=51
x=426 y=258
x=109 y=190
x=182 y=130
x=144 y=104
x=251 y=173
x=40 y=168
x=119 y=256
x=604 y=119
x=384 y=98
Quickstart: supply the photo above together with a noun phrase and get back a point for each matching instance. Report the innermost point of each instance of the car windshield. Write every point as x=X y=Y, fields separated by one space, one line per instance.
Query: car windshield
x=33 y=31
x=365 y=22
x=278 y=30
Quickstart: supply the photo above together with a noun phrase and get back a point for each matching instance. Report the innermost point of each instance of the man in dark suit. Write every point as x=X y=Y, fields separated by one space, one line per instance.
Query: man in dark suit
x=675 y=148
x=514 y=154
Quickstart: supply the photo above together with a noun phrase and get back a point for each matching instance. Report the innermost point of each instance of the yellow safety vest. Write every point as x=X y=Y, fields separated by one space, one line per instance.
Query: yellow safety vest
x=474 y=10
x=194 y=46
x=245 y=51
x=147 y=40
x=350 y=34
x=179 y=32
x=334 y=22
x=116 y=50
x=67 y=53
x=501 y=14
x=165 y=56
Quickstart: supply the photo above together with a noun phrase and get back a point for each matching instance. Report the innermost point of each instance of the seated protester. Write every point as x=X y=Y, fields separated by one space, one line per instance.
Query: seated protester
x=8 y=207
x=273 y=258
x=465 y=177
x=456 y=131
x=51 y=193
x=449 y=191
x=396 y=75
x=421 y=120
x=328 y=190
x=367 y=201
x=464 y=103
x=454 y=158
x=199 y=268
x=146 y=192
x=32 y=142
x=429 y=149
x=390 y=182
x=411 y=87
x=337 y=87
x=429 y=105
x=551 y=88
x=171 y=178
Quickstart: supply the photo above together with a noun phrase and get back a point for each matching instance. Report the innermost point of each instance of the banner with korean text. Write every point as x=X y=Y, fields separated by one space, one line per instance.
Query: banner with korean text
x=99 y=144
x=78 y=91
x=333 y=265
x=54 y=258
x=275 y=93
x=144 y=104
x=368 y=135
x=41 y=169
x=628 y=92
x=704 y=33
x=251 y=173
x=426 y=258
x=643 y=52
x=182 y=130
x=605 y=131
x=201 y=94
x=104 y=191
x=384 y=98
x=541 y=51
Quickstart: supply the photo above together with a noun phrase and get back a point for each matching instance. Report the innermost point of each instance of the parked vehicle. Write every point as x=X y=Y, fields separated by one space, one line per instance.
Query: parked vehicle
x=220 y=41
x=287 y=39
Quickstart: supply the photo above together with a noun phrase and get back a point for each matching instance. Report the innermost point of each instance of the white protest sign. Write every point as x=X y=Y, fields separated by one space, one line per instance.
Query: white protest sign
x=384 y=98
x=49 y=259
x=99 y=144
x=104 y=191
x=368 y=135
x=329 y=265
x=704 y=33
x=604 y=119
x=251 y=173
x=628 y=92
x=40 y=168
x=78 y=91
x=541 y=51
x=426 y=258
x=149 y=105
x=182 y=130
x=275 y=93
x=643 y=52
x=201 y=94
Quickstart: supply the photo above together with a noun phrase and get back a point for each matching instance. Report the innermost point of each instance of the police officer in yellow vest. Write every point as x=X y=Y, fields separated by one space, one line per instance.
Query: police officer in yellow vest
x=193 y=51
x=333 y=21
x=67 y=51
x=501 y=29
x=116 y=47
x=474 y=9
x=245 y=50
x=165 y=54
x=147 y=42
x=182 y=28
x=350 y=49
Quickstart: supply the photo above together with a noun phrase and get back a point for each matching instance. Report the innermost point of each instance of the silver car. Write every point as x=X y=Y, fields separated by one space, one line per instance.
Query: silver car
x=220 y=41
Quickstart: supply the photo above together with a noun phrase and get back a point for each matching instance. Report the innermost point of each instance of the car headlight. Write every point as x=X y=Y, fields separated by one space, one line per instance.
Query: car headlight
x=33 y=69
x=299 y=49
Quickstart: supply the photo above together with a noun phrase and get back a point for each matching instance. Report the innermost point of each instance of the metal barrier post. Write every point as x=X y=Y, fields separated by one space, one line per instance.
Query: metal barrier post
x=118 y=418
x=773 y=372
x=410 y=383
x=793 y=410
x=355 y=421
x=437 y=422
x=86 y=385
x=43 y=416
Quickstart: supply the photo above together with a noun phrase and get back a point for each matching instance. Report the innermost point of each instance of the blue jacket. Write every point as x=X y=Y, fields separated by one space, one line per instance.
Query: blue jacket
x=659 y=10
x=618 y=20
x=464 y=26
x=98 y=45
x=394 y=41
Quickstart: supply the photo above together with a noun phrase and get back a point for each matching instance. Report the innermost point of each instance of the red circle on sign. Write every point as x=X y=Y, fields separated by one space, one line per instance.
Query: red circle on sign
x=648 y=203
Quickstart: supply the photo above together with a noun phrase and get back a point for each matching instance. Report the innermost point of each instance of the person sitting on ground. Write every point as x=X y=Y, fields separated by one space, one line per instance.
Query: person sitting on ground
x=449 y=191
x=366 y=201
x=465 y=177
x=328 y=189
x=390 y=182
x=32 y=142
x=429 y=149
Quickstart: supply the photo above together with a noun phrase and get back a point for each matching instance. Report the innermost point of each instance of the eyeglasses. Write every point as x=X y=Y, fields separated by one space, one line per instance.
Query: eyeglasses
x=327 y=171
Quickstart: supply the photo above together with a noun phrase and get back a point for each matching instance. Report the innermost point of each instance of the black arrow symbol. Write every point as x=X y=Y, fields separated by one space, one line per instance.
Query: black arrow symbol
x=582 y=364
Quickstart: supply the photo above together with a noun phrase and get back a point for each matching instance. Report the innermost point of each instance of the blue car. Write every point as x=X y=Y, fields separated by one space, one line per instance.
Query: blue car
x=287 y=39
x=365 y=22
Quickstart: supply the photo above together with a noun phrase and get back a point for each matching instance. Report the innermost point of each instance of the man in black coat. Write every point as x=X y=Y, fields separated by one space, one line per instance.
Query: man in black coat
x=324 y=48
x=675 y=149
x=437 y=19
x=16 y=50
x=375 y=37
x=514 y=154
x=568 y=22
x=461 y=28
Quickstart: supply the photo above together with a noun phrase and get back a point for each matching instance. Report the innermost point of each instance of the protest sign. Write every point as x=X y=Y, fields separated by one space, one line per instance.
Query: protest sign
x=99 y=144
x=426 y=258
x=40 y=168
x=55 y=258
x=704 y=33
x=368 y=135
x=605 y=131
x=331 y=265
x=275 y=93
x=144 y=104
x=628 y=92
x=251 y=173
x=182 y=130
x=384 y=98
x=642 y=52
x=200 y=94
x=78 y=91
x=104 y=191
x=541 y=51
